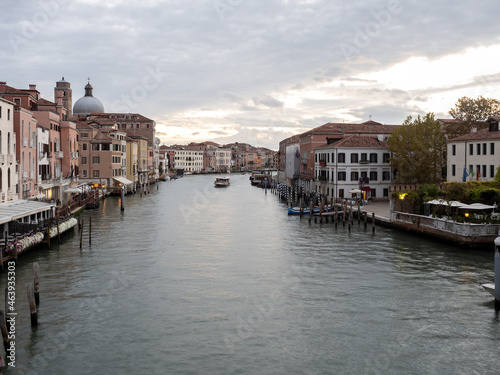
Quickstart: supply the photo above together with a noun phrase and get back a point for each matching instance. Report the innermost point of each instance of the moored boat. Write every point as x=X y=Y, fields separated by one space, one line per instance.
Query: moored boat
x=305 y=210
x=221 y=182
x=489 y=287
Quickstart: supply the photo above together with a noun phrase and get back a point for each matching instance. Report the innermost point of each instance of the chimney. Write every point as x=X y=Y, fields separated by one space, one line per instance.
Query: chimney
x=32 y=87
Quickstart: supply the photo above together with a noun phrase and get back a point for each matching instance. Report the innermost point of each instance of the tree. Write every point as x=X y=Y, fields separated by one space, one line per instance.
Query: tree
x=418 y=151
x=471 y=113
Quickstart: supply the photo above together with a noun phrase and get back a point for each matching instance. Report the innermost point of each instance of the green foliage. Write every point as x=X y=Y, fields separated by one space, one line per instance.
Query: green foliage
x=497 y=176
x=471 y=113
x=429 y=191
x=418 y=148
x=456 y=191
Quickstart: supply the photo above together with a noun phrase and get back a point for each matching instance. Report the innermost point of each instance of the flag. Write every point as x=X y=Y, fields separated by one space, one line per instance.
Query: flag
x=478 y=175
x=465 y=175
x=471 y=173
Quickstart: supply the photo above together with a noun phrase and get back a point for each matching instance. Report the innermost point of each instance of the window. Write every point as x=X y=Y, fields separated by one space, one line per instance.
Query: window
x=471 y=149
x=341 y=193
x=95 y=173
x=386 y=176
x=453 y=170
x=454 y=149
x=95 y=160
x=364 y=174
x=492 y=171
x=484 y=148
x=364 y=158
x=354 y=176
x=373 y=158
x=386 y=193
x=484 y=171
x=492 y=149
x=333 y=157
x=478 y=148
x=385 y=157
x=84 y=147
x=341 y=157
x=315 y=158
x=84 y=173
x=84 y=160
x=341 y=176
x=373 y=176
x=354 y=158
x=374 y=193
x=8 y=113
x=85 y=135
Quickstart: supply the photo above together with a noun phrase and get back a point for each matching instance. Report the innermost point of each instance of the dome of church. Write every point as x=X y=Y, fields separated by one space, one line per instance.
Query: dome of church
x=88 y=104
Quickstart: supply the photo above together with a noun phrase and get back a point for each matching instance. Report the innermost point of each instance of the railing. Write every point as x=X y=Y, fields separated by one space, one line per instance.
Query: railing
x=25 y=176
x=2 y=159
x=10 y=158
x=41 y=155
x=10 y=195
x=25 y=142
x=364 y=162
x=322 y=178
x=59 y=154
x=32 y=175
x=2 y=196
x=322 y=163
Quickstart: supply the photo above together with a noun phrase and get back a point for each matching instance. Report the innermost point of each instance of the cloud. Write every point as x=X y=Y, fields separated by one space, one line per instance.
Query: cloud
x=262 y=66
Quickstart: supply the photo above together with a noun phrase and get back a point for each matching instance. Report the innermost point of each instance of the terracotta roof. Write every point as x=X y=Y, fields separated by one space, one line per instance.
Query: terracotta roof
x=480 y=135
x=121 y=116
x=356 y=141
x=45 y=102
x=103 y=136
x=368 y=127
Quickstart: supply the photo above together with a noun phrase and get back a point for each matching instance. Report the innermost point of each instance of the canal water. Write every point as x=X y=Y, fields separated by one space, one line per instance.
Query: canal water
x=190 y=279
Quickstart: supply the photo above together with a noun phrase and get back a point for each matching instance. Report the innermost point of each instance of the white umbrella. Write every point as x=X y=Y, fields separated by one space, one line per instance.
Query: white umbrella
x=354 y=191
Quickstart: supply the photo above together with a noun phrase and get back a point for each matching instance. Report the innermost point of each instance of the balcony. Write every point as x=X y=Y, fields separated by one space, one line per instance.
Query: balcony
x=2 y=159
x=41 y=155
x=2 y=196
x=25 y=176
x=32 y=175
x=59 y=154
x=303 y=161
x=10 y=195
x=25 y=142
x=364 y=162
x=322 y=163
x=322 y=178
x=10 y=158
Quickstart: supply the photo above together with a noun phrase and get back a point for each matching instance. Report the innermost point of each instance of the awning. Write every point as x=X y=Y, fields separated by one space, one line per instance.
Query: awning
x=21 y=208
x=73 y=191
x=354 y=191
x=366 y=188
x=123 y=180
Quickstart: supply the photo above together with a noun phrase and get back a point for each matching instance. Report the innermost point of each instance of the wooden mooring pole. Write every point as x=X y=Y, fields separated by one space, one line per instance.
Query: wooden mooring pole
x=36 y=283
x=81 y=234
x=90 y=230
x=373 y=222
x=31 y=301
x=57 y=224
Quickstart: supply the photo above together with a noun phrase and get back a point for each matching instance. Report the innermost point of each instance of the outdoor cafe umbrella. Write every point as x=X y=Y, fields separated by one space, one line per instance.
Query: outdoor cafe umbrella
x=355 y=191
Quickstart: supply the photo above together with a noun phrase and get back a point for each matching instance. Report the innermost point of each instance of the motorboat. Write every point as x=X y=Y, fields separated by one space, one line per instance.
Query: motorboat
x=221 y=182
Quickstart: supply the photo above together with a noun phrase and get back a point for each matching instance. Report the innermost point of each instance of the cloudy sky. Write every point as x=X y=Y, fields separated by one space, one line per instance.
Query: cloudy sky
x=256 y=71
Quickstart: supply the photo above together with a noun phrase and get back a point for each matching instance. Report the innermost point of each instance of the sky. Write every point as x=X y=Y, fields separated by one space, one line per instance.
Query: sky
x=256 y=71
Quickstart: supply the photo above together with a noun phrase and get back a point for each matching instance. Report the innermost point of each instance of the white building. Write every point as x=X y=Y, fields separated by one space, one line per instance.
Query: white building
x=188 y=160
x=9 y=187
x=474 y=156
x=353 y=162
x=223 y=159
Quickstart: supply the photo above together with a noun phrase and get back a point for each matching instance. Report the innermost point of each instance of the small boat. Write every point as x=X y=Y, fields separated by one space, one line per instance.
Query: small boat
x=489 y=287
x=221 y=182
x=305 y=210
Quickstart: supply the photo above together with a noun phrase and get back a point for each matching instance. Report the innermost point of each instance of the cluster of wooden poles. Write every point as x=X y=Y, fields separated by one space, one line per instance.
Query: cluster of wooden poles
x=339 y=212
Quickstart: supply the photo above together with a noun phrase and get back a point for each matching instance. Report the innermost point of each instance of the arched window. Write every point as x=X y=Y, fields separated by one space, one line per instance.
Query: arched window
x=1 y=180
x=8 y=143
x=8 y=178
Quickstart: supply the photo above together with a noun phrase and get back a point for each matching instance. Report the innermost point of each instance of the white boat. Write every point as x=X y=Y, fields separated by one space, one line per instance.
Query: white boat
x=489 y=287
x=221 y=182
